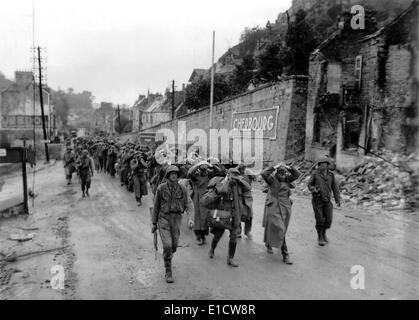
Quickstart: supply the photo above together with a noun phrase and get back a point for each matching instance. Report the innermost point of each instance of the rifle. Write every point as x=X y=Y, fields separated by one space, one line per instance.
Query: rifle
x=154 y=236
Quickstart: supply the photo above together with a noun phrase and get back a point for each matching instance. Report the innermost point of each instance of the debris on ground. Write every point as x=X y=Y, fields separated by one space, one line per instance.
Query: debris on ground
x=21 y=237
x=13 y=257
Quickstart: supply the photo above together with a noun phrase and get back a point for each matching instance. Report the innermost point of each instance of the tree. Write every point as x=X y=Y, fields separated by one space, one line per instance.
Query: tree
x=125 y=122
x=244 y=73
x=301 y=43
x=249 y=39
x=59 y=101
x=273 y=62
x=198 y=92
x=4 y=82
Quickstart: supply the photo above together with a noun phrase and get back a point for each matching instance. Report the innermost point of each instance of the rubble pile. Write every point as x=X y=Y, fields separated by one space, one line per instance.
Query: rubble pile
x=378 y=184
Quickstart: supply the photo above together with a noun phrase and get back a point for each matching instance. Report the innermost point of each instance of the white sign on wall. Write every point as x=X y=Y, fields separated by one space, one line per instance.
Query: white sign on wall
x=252 y=120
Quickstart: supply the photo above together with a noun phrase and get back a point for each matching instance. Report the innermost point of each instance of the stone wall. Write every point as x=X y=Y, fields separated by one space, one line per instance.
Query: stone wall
x=289 y=95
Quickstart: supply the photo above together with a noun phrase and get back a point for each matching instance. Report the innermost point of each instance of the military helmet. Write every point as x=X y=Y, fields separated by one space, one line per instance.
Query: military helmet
x=171 y=169
x=325 y=160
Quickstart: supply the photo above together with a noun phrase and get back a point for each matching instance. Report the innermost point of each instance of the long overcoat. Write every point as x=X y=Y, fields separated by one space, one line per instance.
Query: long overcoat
x=278 y=204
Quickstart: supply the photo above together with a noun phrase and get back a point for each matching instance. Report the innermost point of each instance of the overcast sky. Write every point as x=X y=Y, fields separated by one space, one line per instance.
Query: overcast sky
x=119 y=49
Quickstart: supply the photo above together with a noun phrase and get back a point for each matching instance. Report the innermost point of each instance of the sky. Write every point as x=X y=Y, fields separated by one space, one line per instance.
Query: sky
x=120 y=49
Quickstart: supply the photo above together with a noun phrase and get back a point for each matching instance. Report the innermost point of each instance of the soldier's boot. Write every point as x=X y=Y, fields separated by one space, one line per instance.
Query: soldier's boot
x=212 y=250
x=321 y=241
x=231 y=252
x=325 y=238
x=203 y=240
x=269 y=249
x=286 y=256
x=168 y=267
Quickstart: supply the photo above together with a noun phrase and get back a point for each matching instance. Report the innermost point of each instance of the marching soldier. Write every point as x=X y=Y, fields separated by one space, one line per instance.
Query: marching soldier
x=170 y=202
x=321 y=184
x=138 y=167
x=86 y=172
x=278 y=205
x=224 y=199
x=198 y=174
x=69 y=163
x=249 y=176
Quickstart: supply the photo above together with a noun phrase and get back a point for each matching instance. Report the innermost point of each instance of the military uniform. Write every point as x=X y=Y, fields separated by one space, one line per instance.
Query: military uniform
x=86 y=172
x=224 y=200
x=69 y=163
x=322 y=184
x=170 y=201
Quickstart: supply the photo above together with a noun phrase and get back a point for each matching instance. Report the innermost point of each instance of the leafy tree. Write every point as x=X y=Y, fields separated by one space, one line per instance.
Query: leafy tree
x=125 y=122
x=301 y=43
x=244 y=73
x=273 y=62
x=4 y=82
x=59 y=101
x=250 y=38
x=198 y=93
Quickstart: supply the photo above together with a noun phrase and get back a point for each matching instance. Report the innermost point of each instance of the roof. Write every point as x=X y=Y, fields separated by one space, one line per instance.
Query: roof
x=335 y=35
x=156 y=104
x=198 y=72
x=396 y=20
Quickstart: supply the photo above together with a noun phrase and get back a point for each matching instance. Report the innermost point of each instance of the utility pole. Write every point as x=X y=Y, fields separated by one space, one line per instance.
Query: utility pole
x=212 y=79
x=42 y=105
x=119 y=121
x=173 y=99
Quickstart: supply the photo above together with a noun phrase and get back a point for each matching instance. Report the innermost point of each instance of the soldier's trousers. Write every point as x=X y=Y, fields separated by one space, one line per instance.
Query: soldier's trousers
x=219 y=231
x=247 y=226
x=85 y=181
x=169 y=229
x=323 y=213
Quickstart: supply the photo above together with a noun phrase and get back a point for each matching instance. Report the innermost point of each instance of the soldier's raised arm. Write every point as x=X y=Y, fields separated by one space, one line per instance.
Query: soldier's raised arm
x=267 y=175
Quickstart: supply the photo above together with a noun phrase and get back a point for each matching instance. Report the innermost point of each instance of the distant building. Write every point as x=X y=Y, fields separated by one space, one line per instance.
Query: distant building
x=20 y=114
x=198 y=74
x=104 y=118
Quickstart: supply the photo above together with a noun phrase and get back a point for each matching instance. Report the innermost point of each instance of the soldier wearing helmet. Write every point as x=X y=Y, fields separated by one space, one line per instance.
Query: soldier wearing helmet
x=170 y=202
x=322 y=183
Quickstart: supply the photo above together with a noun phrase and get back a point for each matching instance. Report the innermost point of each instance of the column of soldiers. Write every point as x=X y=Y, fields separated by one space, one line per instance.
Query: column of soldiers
x=215 y=197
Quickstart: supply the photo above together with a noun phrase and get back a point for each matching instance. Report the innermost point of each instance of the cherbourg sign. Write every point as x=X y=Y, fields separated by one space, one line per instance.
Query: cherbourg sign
x=252 y=120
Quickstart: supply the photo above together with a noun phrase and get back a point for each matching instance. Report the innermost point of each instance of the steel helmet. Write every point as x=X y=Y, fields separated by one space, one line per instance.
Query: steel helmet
x=325 y=160
x=171 y=169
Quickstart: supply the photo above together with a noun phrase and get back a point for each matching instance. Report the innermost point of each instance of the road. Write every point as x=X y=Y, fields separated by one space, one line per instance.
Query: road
x=110 y=252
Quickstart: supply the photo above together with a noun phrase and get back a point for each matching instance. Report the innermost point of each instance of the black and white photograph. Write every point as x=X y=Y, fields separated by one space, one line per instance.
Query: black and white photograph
x=223 y=152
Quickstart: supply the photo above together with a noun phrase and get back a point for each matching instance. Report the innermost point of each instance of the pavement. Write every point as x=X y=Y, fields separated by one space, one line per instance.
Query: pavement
x=109 y=252
x=11 y=194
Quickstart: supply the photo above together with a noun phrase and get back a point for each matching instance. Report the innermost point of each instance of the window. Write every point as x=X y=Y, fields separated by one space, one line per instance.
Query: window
x=358 y=72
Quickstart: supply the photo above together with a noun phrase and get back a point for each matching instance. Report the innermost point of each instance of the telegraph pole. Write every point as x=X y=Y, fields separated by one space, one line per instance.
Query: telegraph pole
x=42 y=105
x=212 y=79
x=119 y=121
x=173 y=99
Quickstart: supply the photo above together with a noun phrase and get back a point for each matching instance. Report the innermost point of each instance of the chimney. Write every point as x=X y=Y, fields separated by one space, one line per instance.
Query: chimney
x=184 y=92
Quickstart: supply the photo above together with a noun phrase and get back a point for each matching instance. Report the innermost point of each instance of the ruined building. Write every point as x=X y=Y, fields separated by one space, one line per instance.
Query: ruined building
x=361 y=90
